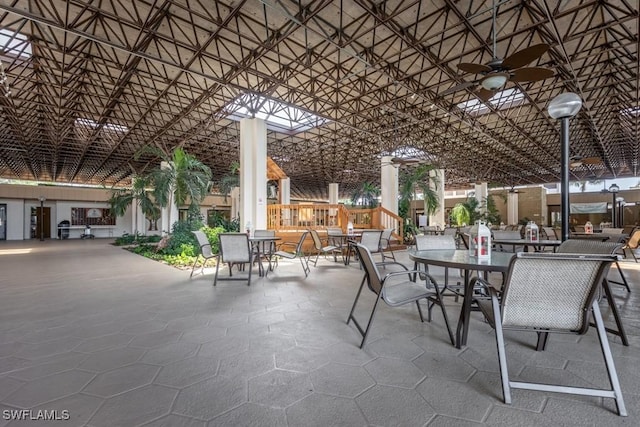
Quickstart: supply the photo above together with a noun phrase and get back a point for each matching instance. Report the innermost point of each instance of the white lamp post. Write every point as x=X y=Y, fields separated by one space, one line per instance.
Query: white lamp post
x=563 y=107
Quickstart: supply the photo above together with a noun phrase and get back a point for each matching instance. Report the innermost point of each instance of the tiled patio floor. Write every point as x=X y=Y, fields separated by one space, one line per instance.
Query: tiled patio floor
x=119 y=340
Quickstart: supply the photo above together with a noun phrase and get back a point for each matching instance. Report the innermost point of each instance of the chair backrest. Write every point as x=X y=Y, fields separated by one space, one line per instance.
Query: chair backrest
x=579 y=228
x=234 y=247
x=550 y=232
x=464 y=237
x=450 y=231
x=634 y=240
x=317 y=243
x=428 y=243
x=265 y=247
x=506 y=234
x=372 y=275
x=334 y=231
x=203 y=241
x=303 y=237
x=385 y=238
x=552 y=291
x=264 y=233
x=610 y=230
x=581 y=246
x=370 y=239
x=425 y=243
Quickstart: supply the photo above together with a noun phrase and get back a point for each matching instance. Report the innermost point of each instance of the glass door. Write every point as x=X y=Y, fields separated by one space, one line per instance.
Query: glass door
x=3 y=222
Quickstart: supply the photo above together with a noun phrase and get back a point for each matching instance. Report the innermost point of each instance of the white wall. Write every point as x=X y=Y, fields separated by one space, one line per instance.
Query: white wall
x=15 y=218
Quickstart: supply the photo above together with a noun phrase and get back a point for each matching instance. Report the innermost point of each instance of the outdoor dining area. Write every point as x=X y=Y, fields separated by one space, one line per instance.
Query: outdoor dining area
x=375 y=341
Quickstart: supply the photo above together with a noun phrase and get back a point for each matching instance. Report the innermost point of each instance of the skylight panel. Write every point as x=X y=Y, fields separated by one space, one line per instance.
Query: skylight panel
x=502 y=100
x=631 y=111
x=110 y=127
x=13 y=43
x=279 y=116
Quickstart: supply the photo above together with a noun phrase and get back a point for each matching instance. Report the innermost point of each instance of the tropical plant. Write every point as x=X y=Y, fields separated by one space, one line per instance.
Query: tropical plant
x=229 y=181
x=418 y=180
x=182 y=178
x=491 y=213
x=367 y=195
x=120 y=200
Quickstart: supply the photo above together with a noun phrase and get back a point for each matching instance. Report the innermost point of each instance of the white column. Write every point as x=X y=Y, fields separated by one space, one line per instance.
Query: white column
x=512 y=208
x=284 y=189
x=482 y=192
x=234 y=194
x=285 y=199
x=389 y=184
x=253 y=173
x=438 y=216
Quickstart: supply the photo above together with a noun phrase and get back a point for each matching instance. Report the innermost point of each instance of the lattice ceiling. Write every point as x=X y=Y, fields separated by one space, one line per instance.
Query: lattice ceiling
x=105 y=78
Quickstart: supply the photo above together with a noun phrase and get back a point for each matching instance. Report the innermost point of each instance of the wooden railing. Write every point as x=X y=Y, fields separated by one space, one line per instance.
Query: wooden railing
x=323 y=216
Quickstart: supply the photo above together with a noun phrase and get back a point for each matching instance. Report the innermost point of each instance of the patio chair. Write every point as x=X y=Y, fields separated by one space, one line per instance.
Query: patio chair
x=370 y=239
x=597 y=247
x=234 y=248
x=320 y=249
x=551 y=293
x=290 y=250
x=386 y=250
x=550 y=232
x=205 y=251
x=464 y=238
x=632 y=244
x=393 y=292
x=508 y=235
x=441 y=274
x=266 y=249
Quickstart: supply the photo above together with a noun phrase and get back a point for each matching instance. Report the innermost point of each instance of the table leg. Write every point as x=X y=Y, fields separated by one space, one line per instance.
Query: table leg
x=465 y=313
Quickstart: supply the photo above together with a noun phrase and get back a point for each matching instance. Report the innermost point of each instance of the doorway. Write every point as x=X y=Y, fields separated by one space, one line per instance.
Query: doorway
x=41 y=222
x=3 y=222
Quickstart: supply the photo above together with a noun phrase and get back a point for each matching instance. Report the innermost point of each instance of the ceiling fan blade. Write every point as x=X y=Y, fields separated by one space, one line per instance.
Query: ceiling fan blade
x=524 y=56
x=531 y=74
x=485 y=94
x=592 y=160
x=456 y=88
x=473 y=68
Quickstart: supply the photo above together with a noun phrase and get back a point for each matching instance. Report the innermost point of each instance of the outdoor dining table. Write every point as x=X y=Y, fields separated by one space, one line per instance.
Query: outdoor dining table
x=537 y=246
x=498 y=262
x=257 y=243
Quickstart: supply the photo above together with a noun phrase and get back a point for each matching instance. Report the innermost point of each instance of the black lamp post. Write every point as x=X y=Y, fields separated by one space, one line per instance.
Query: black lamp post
x=613 y=189
x=42 y=199
x=563 y=107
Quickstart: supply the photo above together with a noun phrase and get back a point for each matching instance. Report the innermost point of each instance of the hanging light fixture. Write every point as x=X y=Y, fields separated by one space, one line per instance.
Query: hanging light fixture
x=494 y=81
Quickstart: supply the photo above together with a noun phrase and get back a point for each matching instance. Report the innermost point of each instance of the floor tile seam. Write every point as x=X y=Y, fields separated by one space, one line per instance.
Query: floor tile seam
x=340 y=395
x=101 y=349
x=208 y=377
x=75 y=368
x=49 y=401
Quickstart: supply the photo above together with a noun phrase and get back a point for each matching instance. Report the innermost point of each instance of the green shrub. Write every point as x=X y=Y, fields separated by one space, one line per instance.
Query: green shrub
x=212 y=235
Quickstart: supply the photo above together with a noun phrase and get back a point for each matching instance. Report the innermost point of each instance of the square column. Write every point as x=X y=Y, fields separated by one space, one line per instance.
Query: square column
x=285 y=199
x=512 y=208
x=482 y=192
x=438 y=217
x=253 y=173
x=389 y=184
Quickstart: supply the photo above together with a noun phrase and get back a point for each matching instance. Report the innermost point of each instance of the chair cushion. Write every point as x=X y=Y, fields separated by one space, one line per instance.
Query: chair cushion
x=402 y=292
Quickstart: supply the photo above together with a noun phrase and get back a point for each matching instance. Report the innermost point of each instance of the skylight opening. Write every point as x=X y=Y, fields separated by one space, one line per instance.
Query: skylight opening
x=109 y=127
x=16 y=44
x=279 y=116
x=502 y=100
x=631 y=111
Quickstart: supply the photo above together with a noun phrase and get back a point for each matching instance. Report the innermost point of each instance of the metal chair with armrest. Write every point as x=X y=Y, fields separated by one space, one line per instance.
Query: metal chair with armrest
x=551 y=293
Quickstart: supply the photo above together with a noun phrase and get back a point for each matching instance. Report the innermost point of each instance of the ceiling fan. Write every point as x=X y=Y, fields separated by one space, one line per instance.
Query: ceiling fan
x=494 y=75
